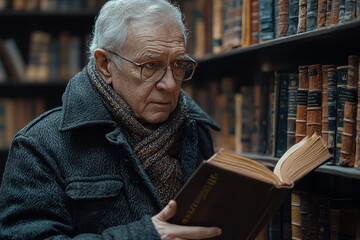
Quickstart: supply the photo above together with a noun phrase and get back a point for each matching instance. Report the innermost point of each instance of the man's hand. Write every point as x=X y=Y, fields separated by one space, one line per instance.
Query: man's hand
x=168 y=231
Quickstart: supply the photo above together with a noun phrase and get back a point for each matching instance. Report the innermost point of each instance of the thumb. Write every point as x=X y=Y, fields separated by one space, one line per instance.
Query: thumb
x=168 y=212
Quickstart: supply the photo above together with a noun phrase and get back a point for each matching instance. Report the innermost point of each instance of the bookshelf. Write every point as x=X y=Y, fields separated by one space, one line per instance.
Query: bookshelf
x=257 y=64
x=76 y=21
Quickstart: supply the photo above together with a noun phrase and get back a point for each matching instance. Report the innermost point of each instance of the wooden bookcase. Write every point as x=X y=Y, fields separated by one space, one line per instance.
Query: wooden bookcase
x=19 y=24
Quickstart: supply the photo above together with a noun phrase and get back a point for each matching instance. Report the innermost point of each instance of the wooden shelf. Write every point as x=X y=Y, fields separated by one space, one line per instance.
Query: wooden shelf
x=328 y=45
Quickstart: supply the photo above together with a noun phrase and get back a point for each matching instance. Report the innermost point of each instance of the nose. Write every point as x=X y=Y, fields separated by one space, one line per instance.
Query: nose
x=167 y=83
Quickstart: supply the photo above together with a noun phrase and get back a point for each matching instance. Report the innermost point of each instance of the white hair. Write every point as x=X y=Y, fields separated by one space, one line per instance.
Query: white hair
x=112 y=22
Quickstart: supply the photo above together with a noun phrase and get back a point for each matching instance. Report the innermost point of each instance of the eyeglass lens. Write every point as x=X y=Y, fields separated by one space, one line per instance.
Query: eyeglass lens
x=155 y=71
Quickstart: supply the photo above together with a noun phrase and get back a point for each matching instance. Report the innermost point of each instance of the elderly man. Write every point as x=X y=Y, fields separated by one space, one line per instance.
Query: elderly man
x=107 y=163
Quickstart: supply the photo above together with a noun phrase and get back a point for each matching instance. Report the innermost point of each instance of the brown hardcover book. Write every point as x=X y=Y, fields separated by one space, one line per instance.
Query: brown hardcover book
x=347 y=153
x=255 y=22
x=301 y=100
x=335 y=5
x=283 y=18
x=214 y=195
x=238 y=122
x=295 y=216
x=217 y=25
x=328 y=13
x=321 y=17
x=302 y=16
x=325 y=106
x=313 y=119
x=246 y=23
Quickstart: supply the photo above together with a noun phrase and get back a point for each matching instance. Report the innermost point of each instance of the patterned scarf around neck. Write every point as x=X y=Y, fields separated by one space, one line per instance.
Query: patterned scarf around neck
x=156 y=148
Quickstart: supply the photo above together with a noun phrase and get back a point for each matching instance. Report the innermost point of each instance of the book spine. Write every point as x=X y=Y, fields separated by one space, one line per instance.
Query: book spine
x=313 y=120
x=335 y=4
x=293 y=16
x=282 y=114
x=357 y=139
x=283 y=18
x=217 y=25
x=343 y=95
x=341 y=11
x=301 y=101
x=309 y=215
x=325 y=106
x=291 y=117
x=286 y=219
x=311 y=15
x=321 y=19
x=255 y=22
x=271 y=117
x=328 y=13
x=350 y=8
x=332 y=108
x=302 y=16
x=295 y=216
x=267 y=29
x=347 y=153
x=324 y=218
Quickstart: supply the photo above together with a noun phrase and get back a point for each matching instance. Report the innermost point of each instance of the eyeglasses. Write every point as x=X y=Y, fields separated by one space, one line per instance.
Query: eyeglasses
x=154 y=71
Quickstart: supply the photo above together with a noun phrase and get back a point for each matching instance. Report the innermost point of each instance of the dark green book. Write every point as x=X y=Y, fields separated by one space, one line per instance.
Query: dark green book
x=292 y=108
x=281 y=113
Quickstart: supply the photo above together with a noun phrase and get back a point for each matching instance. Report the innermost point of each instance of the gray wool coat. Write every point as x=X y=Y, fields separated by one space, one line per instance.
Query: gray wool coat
x=71 y=174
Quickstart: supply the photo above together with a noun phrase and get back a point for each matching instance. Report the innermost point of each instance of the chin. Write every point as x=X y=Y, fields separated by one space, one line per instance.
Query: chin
x=157 y=118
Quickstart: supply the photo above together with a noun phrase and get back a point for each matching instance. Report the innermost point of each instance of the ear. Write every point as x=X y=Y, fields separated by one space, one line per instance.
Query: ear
x=102 y=63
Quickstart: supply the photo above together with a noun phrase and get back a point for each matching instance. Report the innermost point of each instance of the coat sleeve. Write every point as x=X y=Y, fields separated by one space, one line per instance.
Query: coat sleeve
x=33 y=203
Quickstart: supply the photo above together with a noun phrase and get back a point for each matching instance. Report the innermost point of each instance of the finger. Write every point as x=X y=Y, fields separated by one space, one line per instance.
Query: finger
x=168 y=212
x=195 y=232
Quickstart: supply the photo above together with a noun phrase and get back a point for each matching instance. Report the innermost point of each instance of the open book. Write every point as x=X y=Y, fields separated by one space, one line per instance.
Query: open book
x=239 y=194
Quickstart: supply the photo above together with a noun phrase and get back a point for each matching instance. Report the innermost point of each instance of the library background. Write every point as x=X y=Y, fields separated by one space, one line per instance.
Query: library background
x=270 y=72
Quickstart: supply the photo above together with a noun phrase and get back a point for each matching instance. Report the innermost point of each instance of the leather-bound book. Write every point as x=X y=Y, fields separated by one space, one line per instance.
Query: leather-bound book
x=301 y=101
x=291 y=117
x=217 y=25
x=311 y=15
x=357 y=138
x=313 y=120
x=302 y=16
x=283 y=18
x=335 y=4
x=350 y=10
x=332 y=107
x=347 y=153
x=325 y=114
x=293 y=16
x=267 y=28
x=281 y=113
x=255 y=22
x=295 y=215
x=343 y=95
x=341 y=11
x=328 y=13
x=321 y=16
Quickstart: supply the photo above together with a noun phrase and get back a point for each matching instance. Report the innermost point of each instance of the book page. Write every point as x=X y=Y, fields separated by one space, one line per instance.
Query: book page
x=302 y=158
x=243 y=165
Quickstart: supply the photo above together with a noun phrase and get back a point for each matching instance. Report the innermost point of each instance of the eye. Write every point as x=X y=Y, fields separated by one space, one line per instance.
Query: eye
x=151 y=65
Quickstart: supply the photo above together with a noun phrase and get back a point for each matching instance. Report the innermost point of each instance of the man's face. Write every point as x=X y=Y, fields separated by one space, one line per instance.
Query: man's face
x=151 y=102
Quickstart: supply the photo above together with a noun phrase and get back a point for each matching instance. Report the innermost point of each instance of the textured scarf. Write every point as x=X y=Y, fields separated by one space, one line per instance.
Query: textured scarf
x=155 y=147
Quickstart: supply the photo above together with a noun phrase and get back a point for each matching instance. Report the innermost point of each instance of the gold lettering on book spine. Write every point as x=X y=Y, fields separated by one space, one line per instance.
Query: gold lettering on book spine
x=202 y=195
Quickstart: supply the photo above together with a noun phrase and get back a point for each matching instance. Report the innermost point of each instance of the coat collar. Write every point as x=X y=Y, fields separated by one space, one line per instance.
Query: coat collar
x=82 y=106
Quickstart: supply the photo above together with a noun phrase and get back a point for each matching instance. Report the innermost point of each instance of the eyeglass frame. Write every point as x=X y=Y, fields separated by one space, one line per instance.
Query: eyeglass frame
x=141 y=65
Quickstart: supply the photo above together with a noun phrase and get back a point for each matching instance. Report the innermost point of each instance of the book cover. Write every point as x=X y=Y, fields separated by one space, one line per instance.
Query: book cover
x=292 y=108
x=314 y=111
x=267 y=26
x=301 y=101
x=283 y=23
x=332 y=107
x=347 y=152
x=302 y=16
x=207 y=198
x=281 y=114
x=311 y=15
x=293 y=17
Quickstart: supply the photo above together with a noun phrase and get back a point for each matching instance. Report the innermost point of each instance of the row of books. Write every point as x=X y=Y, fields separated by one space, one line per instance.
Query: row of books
x=307 y=215
x=50 y=5
x=221 y=25
x=270 y=118
x=50 y=58
x=15 y=113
